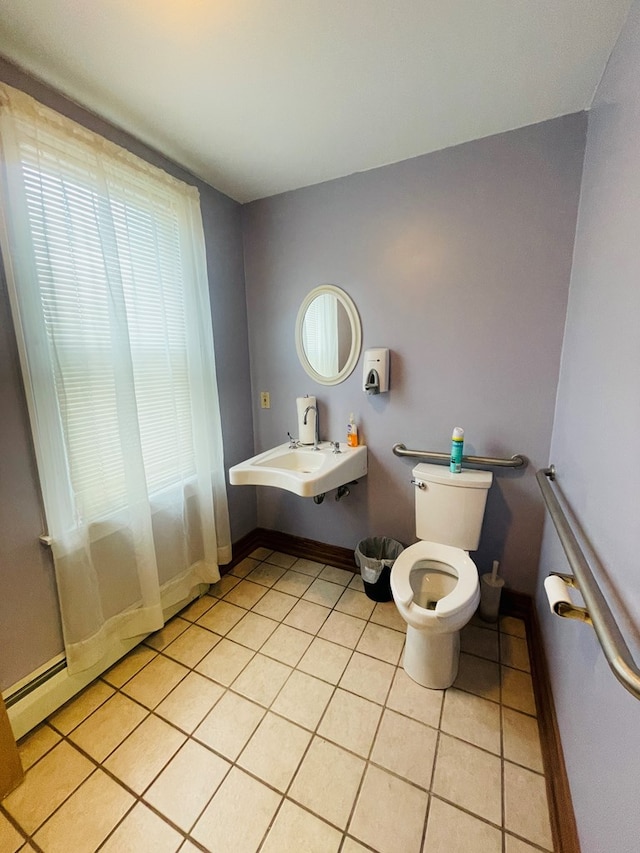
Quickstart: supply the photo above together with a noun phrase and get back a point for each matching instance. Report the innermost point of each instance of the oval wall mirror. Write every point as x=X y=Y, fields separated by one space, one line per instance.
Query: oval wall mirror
x=328 y=334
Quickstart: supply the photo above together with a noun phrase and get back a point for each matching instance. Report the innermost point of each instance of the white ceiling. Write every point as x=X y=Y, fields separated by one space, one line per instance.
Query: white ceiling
x=261 y=96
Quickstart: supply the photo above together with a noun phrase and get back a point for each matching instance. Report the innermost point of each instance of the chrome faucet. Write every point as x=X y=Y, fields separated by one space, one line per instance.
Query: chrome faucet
x=317 y=430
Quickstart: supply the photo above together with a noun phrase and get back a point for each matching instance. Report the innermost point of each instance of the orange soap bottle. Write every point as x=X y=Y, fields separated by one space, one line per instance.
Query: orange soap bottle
x=352 y=432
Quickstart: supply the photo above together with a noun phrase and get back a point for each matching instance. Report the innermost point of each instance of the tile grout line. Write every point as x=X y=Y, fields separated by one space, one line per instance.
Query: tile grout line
x=234 y=763
x=433 y=772
x=138 y=798
x=100 y=764
x=503 y=836
x=149 y=712
x=15 y=824
x=314 y=733
x=162 y=651
x=259 y=779
x=367 y=763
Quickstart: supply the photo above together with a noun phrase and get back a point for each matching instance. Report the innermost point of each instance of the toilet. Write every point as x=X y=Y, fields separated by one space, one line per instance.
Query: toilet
x=435 y=582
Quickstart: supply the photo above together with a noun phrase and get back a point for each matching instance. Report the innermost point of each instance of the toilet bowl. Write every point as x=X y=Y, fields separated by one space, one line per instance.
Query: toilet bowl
x=435 y=582
x=436 y=590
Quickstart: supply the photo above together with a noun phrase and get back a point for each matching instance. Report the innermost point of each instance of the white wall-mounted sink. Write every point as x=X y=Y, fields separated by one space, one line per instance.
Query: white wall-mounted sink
x=302 y=470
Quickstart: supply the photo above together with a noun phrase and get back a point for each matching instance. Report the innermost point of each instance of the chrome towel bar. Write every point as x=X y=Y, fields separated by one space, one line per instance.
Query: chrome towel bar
x=604 y=624
x=517 y=461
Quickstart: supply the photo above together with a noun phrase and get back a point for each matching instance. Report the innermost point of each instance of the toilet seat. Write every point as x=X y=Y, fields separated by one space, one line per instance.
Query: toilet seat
x=466 y=592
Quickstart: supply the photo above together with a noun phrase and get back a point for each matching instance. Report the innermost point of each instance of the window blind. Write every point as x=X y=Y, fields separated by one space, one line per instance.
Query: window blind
x=107 y=254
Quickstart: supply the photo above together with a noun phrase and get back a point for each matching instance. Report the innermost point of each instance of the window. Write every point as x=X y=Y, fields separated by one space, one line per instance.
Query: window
x=83 y=239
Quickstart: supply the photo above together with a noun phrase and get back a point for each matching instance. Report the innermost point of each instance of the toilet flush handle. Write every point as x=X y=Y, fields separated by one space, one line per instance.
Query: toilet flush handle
x=419 y=484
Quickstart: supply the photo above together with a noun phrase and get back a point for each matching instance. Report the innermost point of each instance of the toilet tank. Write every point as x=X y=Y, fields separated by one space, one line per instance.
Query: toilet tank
x=450 y=507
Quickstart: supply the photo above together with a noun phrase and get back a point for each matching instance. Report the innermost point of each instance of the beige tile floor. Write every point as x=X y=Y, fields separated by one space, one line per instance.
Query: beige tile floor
x=273 y=715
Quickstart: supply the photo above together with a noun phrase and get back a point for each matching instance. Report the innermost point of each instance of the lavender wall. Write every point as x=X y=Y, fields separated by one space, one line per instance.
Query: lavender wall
x=593 y=447
x=459 y=262
x=29 y=622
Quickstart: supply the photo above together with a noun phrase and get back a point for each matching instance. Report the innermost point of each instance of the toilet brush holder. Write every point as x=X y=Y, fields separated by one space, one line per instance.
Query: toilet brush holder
x=490 y=591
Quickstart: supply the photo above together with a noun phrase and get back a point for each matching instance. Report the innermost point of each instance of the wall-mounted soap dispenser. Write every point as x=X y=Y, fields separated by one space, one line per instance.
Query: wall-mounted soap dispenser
x=376 y=370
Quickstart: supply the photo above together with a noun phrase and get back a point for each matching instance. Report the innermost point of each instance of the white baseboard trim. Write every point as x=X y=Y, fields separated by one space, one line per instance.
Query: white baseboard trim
x=37 y=705
x=48 y=697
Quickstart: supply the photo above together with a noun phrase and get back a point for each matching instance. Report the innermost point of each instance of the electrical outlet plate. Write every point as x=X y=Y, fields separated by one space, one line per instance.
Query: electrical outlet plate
x=265 y=400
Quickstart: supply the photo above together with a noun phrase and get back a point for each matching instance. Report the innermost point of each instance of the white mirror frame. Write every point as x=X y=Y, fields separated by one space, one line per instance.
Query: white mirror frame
x=356 y=334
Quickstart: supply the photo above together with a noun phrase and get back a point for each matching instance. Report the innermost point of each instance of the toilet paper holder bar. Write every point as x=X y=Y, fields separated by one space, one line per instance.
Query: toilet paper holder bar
x=614 y=645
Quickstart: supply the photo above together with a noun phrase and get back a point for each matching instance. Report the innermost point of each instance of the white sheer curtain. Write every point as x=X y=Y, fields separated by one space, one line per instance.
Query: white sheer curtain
x=320 y=334
x=105 y=263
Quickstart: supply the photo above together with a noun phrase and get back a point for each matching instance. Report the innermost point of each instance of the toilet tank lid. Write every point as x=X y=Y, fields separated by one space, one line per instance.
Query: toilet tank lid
x=466 y=478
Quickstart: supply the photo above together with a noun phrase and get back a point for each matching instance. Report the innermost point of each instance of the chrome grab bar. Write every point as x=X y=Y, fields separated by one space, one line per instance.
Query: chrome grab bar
x=517 y=461
x=604 y=624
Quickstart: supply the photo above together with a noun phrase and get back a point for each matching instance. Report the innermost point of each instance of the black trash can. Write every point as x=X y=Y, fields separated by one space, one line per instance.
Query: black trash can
x=375 y=557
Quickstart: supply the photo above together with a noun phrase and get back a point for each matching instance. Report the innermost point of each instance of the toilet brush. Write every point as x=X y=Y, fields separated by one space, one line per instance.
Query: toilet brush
x=490 y=591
